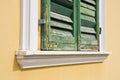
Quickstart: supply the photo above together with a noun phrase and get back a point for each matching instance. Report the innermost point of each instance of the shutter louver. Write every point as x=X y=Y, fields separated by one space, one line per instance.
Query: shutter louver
x=58 y=31
x=88 y=35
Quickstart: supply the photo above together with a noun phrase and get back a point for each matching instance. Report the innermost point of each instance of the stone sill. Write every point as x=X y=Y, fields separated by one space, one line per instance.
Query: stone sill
x=35 y=59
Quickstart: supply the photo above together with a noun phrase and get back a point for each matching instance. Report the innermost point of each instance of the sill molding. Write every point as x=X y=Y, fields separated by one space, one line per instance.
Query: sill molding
x=34 y=59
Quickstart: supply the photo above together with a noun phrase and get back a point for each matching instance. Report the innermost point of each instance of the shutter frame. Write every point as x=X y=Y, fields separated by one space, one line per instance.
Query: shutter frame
x=87 y=44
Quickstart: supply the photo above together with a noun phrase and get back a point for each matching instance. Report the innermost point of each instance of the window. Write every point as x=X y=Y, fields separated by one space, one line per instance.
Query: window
x=70 y=33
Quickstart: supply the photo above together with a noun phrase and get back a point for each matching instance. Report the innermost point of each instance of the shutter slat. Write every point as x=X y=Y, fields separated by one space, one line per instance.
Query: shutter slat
x=60 y=39
x=87 y=6
x=87 y=11
x=88 y=18
x=88 y=39
x=61 y=36
x=61 y=32
x=90 y=1
x=60 y=9
x=88 y=30
x=88 y=36
x=61 y=17
x=61 y=25
x=87 y=21
x=86 y=42
x=67 y=3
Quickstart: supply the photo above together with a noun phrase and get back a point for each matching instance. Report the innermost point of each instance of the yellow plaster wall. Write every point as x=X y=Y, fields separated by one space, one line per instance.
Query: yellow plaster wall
x=9 y=42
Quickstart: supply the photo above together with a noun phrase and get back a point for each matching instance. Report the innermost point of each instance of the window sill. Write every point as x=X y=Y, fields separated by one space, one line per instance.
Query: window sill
x=35 y=59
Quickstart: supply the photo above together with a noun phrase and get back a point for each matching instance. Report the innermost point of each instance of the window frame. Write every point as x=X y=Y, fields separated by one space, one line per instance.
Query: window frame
x=28 y=56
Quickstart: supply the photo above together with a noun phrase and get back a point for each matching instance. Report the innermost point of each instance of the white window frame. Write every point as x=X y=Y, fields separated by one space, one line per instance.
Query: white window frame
x=28 y=56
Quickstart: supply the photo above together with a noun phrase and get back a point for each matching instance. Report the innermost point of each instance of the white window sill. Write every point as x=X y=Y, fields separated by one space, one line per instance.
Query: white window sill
x=35 y=59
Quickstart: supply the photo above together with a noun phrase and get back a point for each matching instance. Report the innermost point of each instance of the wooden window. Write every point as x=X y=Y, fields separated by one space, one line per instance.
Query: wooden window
x=66 y=25
x=70 y=25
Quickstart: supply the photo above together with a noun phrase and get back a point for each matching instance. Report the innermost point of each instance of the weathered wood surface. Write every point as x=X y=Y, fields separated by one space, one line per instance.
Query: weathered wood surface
x=88 y=42
x=87 y=11
x=87 y=21
x=62 y=47
x=88 y=36
x=87 y=30
x=44 y=29
x=61 y=25
x=88 y=6
x=61 y=17
x=61 y=30
x=61 y=9
x=62 y=33
x=60 y=39
x=89 y=18
x=89 y=48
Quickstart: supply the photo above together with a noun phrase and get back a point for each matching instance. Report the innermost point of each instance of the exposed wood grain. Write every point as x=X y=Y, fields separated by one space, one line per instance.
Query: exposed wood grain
x=89 y=48
x=61 y=25
x=61 y=32
x=44 y=29
x=64 y=47
x=60 y=39
x=88 y=36
x=61 y=17
x=88 y=30
x=88 y=42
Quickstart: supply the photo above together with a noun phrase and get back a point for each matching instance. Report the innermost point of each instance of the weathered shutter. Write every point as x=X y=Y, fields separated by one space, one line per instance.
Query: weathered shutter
x=58 y=32
x=88 y=34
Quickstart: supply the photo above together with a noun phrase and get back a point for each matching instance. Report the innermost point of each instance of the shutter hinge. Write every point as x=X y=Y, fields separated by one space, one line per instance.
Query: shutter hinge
x=100 y=30
x=41 y=21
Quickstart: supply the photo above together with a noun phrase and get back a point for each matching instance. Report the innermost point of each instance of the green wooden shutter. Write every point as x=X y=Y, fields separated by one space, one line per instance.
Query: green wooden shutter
x=88 y=35
x=59 y=30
